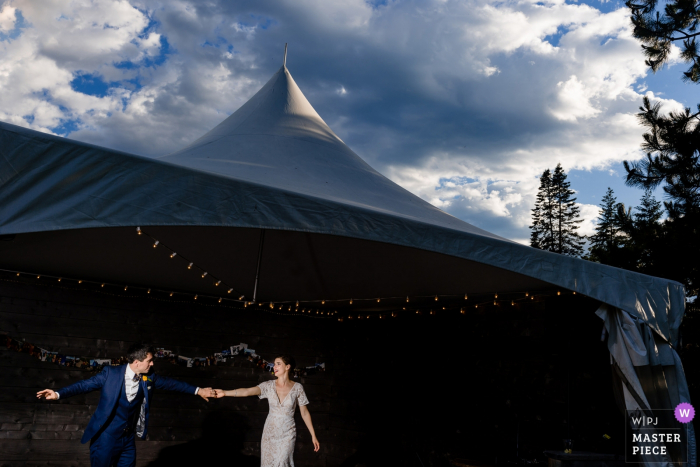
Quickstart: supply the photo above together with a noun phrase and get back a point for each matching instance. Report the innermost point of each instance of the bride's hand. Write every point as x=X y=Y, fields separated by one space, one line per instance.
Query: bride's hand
x=219 y=393
x=316 y=445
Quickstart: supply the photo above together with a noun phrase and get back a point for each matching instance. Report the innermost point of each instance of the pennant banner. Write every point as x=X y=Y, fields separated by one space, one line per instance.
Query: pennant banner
x=239 y=352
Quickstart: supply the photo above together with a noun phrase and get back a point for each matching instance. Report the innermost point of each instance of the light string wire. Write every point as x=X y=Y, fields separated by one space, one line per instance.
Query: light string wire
x=306 y=305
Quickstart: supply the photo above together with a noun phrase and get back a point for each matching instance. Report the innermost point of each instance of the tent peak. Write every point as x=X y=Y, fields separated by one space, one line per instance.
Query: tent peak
x=284 y=62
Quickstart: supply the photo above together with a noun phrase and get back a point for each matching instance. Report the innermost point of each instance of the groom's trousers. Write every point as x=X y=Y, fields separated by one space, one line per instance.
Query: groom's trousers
x=107 y=451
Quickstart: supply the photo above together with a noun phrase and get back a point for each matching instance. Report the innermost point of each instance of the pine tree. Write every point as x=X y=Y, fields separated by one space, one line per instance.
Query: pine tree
x=567 y=214
x=555 y=217
x=542 y=235
x=606 y=242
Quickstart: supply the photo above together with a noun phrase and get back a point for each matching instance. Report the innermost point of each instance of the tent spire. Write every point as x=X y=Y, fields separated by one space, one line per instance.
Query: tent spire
x=284 y=63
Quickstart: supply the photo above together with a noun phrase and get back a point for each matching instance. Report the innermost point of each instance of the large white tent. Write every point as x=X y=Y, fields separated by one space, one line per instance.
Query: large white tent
x=334 y=227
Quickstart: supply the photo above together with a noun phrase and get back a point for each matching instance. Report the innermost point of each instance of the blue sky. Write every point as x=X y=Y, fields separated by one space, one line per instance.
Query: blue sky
x=464 y=103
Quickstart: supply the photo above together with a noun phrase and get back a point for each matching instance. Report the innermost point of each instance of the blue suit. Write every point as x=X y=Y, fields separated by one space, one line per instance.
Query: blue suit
x=114 y=408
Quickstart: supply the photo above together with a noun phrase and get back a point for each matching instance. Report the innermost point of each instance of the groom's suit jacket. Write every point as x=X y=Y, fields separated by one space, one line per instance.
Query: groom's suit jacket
x=111 y=382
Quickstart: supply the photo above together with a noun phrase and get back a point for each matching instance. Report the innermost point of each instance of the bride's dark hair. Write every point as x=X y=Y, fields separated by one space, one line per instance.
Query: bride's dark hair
x=288 y=360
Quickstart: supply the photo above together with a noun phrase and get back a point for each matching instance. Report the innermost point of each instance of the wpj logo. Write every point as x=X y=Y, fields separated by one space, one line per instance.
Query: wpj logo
x=660 y=437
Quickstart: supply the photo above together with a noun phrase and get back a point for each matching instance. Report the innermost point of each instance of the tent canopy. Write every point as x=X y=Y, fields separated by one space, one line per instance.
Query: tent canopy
x=334 y=228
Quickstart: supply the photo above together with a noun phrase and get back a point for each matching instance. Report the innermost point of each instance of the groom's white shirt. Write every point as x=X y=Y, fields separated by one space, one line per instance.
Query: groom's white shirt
x=132 y=387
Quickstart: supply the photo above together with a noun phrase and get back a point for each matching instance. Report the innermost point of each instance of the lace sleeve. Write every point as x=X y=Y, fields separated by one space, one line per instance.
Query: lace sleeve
x=301 y=396
x=264 y=389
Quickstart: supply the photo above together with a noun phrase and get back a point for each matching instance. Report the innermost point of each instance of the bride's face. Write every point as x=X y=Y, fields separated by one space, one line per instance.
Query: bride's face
x=280 y=367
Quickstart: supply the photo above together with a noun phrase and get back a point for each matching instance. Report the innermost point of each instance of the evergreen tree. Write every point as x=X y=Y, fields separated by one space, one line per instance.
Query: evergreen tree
x=606 y=242
x=555 y=217
x=647 y=249
x=542 y=235
x=567 y=216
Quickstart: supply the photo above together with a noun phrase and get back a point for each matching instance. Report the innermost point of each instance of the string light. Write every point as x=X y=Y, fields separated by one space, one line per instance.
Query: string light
x=496 y=296
x=38 y=277
x=432 y=312
x=195 y=297
x=148 y=291
x=156 y=244
x=436 y=298
x=574 y=292
x=323 y=302
x=189 y=266
x=218 y=283
x=462 y=311
x=512 y=302
x=495 y=302
x=406 y=298
x=205 y=274
x=138 y=230
x=230 y=290
x=173 y=254
x=297 y=303
x=340 y=320
x=558 y=292
x=394 y=314
x=102 y=285
x=59 y=279
x=126 y=287
x=527 y=294
x=466 y=297
x=240 y=298
x=171 y=294
x=17 y=274
x=377 y=300
x=79 y=282
x=220 y=299
x=476 y=306
x=350 y=301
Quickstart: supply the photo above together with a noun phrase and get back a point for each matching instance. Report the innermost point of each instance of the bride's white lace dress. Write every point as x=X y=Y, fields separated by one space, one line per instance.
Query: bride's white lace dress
x=280 y=433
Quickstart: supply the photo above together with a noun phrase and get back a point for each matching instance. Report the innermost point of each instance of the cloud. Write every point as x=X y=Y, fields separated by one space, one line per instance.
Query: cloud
x=464 y=103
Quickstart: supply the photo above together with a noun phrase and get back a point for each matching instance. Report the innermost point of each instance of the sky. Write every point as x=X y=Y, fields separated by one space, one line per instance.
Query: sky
x=464 y=103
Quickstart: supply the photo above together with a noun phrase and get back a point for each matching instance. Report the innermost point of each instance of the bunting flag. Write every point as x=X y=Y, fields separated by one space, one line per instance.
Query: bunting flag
x=240 y=351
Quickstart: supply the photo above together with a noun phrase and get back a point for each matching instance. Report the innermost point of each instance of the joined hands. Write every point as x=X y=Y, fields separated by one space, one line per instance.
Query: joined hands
x=206 y=393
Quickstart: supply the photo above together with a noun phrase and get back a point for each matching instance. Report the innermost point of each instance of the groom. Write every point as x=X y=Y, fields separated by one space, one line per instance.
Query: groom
x=122 y=412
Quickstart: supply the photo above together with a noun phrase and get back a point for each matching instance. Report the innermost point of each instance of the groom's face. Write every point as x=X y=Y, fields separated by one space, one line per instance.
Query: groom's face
x=142 y=367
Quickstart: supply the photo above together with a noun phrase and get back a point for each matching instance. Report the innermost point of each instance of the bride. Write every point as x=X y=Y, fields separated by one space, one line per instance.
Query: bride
x=283 y=395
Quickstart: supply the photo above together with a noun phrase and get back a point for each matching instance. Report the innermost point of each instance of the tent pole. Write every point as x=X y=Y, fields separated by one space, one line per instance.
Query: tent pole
x=257 y=271
x=284 y=63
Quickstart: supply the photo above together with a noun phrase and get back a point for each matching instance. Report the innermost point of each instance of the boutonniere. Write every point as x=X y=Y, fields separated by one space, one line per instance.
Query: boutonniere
x=147 y=378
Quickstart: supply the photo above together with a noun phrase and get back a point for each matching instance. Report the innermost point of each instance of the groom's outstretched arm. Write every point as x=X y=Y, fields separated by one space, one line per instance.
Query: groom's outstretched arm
x=81 y=387
x=170 y=384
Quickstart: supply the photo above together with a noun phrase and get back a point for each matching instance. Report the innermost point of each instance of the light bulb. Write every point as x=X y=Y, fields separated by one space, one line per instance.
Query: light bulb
x=189 y=266
x=512 y=302
x=495 y=302
x=195 y=297
x=466 y=297
x=436 y=299
x=476 y=306
x=527 y=294
x=148 y=291
x=173 y=254
x=351 y=301
x=138 y=230
x=496 y=296
x=17 y=274
x=462 y=310
x=574 y=293
x=218 y=283
x=407 y=299
x=230 y=290
x=38 y=277
x=156 y=244
x=59 y=279
x=297 y=302
x=558 y=292
x=126 y=287
x=205 y=274
x=220 y=299
x=171 y=294
x=272 y=305
x=377 y=300
x=80 y=281
x=240 y=298
x=340 y=320
x=532 y=298
x=323 y=302
x=102 y=285
x=443 y=307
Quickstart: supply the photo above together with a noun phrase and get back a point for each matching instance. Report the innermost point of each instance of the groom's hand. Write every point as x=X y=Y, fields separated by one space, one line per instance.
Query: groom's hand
x=219 y=393
x=48 y=394
x=206 y=393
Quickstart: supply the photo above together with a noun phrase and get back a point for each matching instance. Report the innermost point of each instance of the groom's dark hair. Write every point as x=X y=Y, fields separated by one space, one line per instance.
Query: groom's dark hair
x=139 y=351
